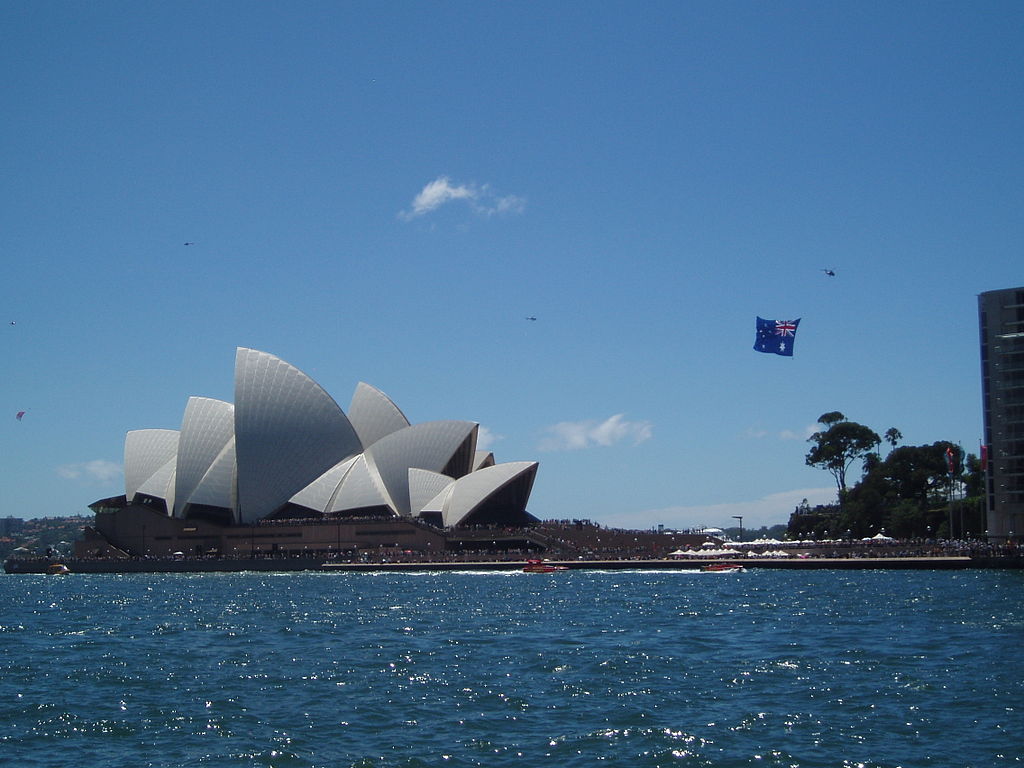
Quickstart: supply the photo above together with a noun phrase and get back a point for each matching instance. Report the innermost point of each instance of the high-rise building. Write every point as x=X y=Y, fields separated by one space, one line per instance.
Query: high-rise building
x=1001 y=320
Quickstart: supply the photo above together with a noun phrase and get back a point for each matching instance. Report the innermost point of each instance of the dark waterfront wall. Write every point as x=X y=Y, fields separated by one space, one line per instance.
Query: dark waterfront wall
x=143 y=532
x=232 y=565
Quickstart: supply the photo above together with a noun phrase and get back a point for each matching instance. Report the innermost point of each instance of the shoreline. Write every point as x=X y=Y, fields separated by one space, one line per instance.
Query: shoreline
x=233 y=565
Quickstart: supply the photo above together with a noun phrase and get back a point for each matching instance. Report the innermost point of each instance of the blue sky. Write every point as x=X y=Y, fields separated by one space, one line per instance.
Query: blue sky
x=384 y=192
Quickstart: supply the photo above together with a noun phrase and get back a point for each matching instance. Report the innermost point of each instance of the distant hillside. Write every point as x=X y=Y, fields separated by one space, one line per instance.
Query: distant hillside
x=38 y=533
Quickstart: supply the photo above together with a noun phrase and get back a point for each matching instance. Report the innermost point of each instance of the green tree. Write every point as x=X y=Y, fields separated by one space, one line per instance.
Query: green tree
x=837 y=447
x=918 y=473
x=907 y=520
x=808 y=522
x=893 y=436
x=907 y=493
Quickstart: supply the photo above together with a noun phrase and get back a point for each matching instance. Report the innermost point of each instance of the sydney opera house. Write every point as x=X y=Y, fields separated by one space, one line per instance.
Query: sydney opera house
x=284 y=470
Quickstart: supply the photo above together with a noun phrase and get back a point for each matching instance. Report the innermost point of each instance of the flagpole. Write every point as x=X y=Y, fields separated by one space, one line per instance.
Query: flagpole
x=951 y=505
x=949 y=489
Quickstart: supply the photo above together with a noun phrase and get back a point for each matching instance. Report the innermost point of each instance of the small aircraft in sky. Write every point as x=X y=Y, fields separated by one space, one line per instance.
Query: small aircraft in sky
x=189 y=243
x=530 y=317
x=829 y=272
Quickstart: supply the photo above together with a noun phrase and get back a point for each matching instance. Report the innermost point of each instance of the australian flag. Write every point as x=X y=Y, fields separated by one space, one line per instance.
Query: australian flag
x=776 y=336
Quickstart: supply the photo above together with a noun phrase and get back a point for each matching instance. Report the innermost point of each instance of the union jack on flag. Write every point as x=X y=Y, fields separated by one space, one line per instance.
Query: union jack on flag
x=776 y=336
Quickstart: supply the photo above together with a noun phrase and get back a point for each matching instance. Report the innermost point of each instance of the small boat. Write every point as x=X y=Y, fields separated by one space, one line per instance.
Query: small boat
x=539 y=566
x=57 y=569
x=722 y=568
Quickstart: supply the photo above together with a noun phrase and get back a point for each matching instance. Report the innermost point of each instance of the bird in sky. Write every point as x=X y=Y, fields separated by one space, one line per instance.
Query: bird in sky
x=829 y=272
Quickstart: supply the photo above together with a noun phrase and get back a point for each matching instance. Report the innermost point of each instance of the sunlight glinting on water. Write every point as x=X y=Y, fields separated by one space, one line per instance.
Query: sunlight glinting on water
x=768 y=668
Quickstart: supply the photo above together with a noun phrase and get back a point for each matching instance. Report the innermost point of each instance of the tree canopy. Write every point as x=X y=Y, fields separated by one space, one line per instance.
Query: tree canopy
x=916 y=490
x=837 y=447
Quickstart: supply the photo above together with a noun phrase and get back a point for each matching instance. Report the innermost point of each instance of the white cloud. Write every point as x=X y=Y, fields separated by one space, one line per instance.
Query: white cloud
x=757 y=433
x=479 y=198
x=574 y=435
x=788 y=434
x=507 y=204
x=435 y=194
x=96 y=471
x=773 y=509
x=485 y=438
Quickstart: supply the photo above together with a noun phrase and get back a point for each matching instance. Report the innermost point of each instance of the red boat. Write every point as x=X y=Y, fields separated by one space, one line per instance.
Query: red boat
x=539 y=566
x=722 y=568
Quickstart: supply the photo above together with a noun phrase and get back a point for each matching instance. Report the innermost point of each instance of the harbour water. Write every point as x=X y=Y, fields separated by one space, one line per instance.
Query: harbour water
x=581 y=668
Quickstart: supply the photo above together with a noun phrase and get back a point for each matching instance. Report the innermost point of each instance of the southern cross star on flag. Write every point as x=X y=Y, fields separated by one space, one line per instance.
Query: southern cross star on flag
x=776 y=336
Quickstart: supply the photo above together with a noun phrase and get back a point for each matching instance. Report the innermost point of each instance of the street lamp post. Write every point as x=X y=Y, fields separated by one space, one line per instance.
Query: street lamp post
x=740 y=518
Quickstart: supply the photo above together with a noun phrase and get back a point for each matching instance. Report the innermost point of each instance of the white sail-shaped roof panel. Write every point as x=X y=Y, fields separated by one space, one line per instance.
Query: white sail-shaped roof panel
x=160 y=484
x=169 y=498
x=288 y=431
x=469 y=492
x=483 y=459
x=145 y=452
x=424 y=485
x=438 y=446
x=439 y=502
x=318 y=494
x=374 y=415
x=207 y=426
x=217 y=488
x=359 y=489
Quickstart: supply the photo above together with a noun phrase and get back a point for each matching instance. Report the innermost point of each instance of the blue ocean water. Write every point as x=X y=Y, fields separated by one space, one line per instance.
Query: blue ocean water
x=582 y=668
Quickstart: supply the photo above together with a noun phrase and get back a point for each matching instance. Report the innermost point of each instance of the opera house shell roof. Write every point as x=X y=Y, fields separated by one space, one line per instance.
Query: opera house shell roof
x=285 y=449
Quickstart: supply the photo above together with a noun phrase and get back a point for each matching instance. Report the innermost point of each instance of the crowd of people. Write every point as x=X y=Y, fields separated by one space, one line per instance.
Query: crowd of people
x=583 y=540
x=976 y=548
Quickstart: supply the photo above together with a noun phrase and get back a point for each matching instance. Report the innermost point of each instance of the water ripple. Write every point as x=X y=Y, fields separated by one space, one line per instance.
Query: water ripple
x=865 y=669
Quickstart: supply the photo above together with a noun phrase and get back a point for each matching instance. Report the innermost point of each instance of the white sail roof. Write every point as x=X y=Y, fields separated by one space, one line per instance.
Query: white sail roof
x=160 y=485
x=439 y=446
x=217 y=488
x=318 y=494
x=483 y=459
x=425 y=485
x=360 y=488
x=373 y=415
x=145 y=452
x=469 y=492
x=288 y=431
x=207 y=426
